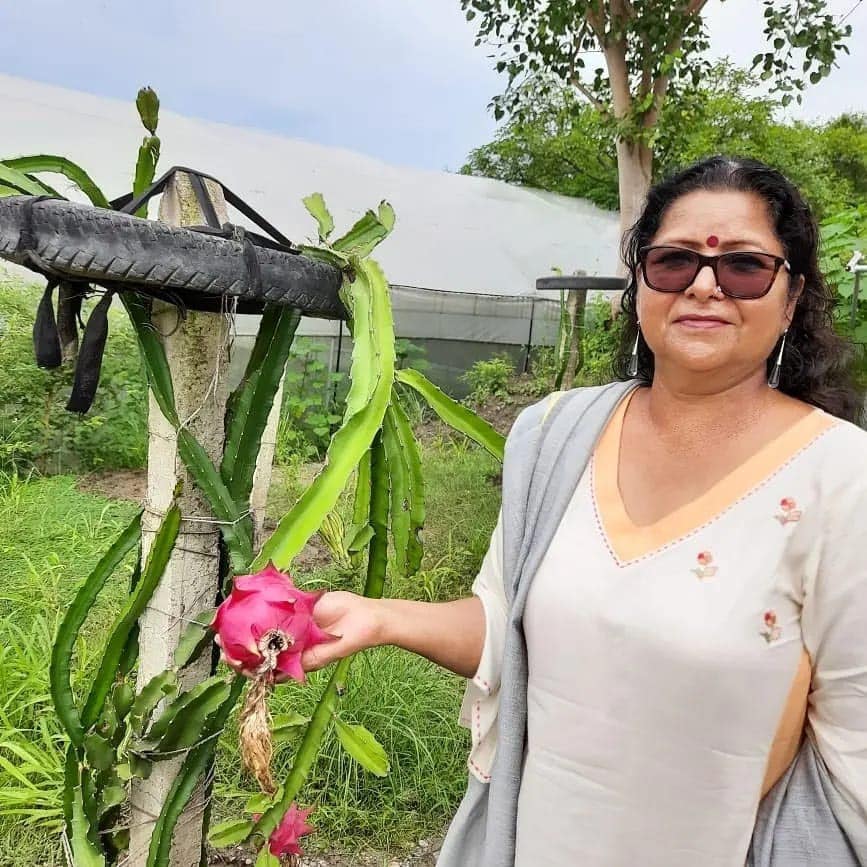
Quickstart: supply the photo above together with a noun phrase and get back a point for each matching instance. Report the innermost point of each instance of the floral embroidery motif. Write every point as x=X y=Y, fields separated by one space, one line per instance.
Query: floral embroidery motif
x=772 y=629
x=705 y=570
x=790 y=513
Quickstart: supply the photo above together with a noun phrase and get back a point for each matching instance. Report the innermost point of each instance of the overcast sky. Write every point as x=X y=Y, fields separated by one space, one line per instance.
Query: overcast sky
x=396 y=79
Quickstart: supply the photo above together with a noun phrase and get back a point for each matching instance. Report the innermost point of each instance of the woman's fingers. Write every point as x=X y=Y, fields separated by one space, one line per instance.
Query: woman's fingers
x=321 y=655
x=351 y=618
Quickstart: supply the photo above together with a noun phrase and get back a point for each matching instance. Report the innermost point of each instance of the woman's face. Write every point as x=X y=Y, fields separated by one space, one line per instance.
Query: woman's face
x=741 y=334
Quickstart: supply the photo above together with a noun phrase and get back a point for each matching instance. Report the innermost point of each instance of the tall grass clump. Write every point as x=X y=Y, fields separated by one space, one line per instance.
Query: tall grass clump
x=36 y=431
x=50 y=536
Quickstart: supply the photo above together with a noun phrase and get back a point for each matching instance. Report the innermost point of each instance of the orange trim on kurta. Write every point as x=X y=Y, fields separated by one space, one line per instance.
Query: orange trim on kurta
x=629 y=541
x=790 y=730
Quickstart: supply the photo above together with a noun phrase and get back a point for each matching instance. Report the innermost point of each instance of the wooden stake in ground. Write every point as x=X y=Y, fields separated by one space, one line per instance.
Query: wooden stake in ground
x=198 y=351
x=573 y=334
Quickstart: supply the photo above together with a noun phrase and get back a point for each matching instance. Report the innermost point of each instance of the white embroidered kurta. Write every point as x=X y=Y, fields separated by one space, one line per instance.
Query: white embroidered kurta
x=669 y=665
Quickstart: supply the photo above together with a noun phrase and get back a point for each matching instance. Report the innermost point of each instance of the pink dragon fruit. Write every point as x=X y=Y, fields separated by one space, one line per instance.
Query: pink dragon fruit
x=265 y=624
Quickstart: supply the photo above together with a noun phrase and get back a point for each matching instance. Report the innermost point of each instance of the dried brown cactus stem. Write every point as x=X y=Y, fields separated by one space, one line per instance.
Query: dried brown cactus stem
x=257 y=748
x=255 y=733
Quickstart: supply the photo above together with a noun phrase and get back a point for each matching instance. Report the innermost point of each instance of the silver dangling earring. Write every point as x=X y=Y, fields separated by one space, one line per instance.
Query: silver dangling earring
x=774 y=378
x=632 y=370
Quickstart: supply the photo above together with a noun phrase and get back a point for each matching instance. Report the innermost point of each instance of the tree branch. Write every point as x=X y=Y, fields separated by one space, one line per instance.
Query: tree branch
x=597 y=23
x=618 y=75
x=594 y=100
x=660 y=85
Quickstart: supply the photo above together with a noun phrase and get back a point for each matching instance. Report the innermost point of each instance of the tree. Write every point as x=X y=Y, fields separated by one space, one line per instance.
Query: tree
x=562 y=144
x=559 y=144
x=649 y=48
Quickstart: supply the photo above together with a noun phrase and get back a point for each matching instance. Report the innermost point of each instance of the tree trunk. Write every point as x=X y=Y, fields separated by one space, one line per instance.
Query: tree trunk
x=634 y=168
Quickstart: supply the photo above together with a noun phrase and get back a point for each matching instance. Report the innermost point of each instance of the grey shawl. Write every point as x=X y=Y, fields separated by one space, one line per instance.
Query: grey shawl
x=802 y=821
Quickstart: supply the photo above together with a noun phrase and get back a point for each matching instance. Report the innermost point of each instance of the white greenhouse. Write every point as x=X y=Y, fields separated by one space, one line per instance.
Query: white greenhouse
x=462 y=261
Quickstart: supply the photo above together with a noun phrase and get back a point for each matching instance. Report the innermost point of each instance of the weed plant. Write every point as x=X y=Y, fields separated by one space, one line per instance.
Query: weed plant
x=36 y=431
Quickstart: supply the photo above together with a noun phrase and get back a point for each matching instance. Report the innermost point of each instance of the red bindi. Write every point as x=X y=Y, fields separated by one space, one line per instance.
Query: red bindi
x=712 y=241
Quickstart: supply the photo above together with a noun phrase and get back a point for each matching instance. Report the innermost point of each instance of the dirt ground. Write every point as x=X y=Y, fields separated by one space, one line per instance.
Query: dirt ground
x=132 y=484
x=424 y=855
x=116 y=484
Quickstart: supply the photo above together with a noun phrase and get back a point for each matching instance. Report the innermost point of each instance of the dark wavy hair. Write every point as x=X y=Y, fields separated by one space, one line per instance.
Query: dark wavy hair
x=817 y=362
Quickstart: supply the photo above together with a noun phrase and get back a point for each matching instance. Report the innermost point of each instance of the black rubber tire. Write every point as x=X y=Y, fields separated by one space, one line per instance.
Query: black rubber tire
x=81 y=242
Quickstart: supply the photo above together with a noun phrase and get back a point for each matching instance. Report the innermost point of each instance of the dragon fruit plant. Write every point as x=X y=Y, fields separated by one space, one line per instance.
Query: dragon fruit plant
x=264 y=622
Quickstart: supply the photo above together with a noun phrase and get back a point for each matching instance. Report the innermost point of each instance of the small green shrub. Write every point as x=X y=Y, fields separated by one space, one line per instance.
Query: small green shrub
x=842 y=234
x=543 y=370
x=411 y=355
x=312 y=404
x=489 y=378
x=36 y=431
x=601 y=342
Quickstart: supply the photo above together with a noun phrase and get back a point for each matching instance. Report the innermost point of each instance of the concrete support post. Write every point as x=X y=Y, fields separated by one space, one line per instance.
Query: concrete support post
x=198 y=354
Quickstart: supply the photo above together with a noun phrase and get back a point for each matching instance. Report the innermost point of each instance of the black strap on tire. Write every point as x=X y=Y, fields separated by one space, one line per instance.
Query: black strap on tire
x=90 y=354
x=46 y=337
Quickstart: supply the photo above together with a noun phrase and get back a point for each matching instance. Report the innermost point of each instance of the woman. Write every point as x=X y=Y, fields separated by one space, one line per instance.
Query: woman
x=640 y=688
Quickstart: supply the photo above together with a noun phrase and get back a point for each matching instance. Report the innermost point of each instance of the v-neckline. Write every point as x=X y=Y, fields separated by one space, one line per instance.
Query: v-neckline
x=629 y=541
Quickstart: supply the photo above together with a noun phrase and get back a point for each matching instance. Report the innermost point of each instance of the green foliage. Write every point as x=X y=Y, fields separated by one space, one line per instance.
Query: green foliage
x=36 y=431
x=843 y=234
x=806 y=39
x=366 y=403
x=250 y=405
x=649 y=48
x=40 y=164
x=827 y=161
x=65 y=531
x=113 y=738
x=312 y=404
x=407 y=509
x=363 y=747
x=558 y=144
x=412 y=706
x=61 y=654
x=489 y=377
x=543 y=368
x=562 y=144
x=455 y=414
x=601 y=341
x=410 y=354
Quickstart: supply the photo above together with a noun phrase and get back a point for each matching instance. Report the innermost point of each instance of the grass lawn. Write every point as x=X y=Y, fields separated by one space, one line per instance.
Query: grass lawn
x=51 y=534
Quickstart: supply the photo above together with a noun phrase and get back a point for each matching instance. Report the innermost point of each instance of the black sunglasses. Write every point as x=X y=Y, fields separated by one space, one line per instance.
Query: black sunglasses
x=740 y=274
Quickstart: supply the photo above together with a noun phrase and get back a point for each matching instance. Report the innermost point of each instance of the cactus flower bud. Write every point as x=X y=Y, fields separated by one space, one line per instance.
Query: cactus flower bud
x=284 y=839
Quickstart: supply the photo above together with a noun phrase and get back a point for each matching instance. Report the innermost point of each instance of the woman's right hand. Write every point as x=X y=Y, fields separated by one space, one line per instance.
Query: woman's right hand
x=451 y=634
x=356 y=623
